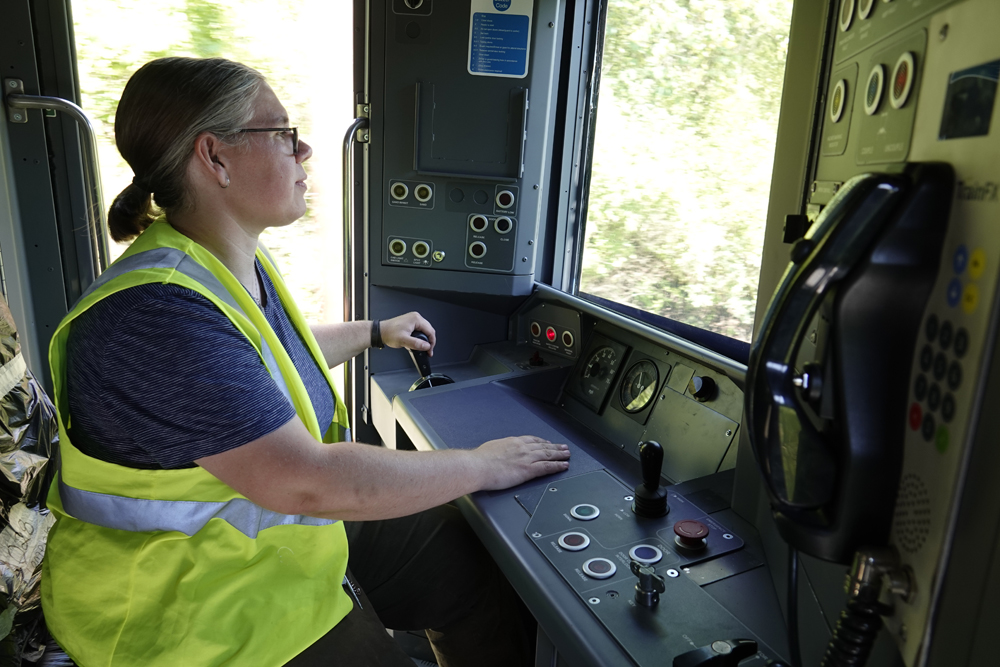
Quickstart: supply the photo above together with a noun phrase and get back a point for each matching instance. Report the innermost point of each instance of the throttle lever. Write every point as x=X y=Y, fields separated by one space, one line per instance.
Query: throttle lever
x=420 y=358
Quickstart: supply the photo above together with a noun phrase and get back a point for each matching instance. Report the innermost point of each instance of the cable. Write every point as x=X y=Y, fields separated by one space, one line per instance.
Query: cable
x=793 y=607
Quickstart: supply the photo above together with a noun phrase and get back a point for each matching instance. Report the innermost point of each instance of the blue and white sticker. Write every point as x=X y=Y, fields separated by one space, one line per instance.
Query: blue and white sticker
x=500 y=38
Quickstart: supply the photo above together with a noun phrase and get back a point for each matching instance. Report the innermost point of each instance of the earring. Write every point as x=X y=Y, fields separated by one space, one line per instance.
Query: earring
x=226 y=185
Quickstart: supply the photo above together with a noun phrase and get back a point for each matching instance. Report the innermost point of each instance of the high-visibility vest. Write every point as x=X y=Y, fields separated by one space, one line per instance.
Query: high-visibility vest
x=173 y=567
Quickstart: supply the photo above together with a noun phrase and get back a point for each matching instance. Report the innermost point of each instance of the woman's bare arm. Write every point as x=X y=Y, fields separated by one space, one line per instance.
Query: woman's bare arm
x=287 y=471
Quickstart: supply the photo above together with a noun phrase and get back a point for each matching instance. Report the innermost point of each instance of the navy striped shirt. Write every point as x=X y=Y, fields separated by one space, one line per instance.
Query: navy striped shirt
x=158 y=377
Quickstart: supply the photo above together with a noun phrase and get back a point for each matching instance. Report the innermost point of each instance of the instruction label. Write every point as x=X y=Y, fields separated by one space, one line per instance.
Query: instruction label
x=500 y=38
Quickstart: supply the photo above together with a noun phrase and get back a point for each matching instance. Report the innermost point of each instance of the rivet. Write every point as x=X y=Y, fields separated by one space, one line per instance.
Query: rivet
x=729 y=432
x=524 y=259
x=551 y=24
x=530 y=242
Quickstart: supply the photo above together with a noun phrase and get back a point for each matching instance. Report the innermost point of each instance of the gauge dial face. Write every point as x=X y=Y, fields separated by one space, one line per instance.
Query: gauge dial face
x=639 y=385
x=601 y=365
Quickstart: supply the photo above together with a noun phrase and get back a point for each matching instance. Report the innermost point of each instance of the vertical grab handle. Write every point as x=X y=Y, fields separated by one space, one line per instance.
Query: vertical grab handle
x=348 y=195
x=91 y=170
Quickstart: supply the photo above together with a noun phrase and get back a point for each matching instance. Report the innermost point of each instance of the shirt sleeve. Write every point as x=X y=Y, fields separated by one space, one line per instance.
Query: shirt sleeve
x=159 y=377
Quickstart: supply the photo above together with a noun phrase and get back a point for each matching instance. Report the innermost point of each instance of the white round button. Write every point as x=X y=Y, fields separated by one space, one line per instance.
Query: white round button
x=646 y=554
x=599 y=568
x=585 y=512
x=574 y=541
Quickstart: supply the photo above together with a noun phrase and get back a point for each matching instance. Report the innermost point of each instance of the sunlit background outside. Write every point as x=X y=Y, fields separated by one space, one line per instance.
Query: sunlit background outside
x=684 y=144
x=303 y=47
x=687 y=117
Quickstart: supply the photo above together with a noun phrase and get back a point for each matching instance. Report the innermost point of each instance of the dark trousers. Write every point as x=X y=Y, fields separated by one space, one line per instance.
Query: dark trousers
x=425 y=572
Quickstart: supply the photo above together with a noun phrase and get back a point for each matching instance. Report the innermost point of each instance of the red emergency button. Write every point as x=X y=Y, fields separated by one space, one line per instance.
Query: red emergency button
x=550 y=333
x=916 y=416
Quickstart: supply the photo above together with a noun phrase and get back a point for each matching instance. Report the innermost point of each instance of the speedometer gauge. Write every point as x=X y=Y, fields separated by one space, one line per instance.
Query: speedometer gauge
x=639 y=385
x=600 y=363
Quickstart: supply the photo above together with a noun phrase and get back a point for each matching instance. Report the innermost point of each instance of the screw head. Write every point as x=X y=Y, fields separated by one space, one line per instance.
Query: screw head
x=727 y=536
x=552 y=488
x=629 y=498
x=551 y=24
x=13 y=84
x=536 y=534
x=17 y=116
x=729 y=432
x=594 y=600
x=672 y=573
x=524 y=259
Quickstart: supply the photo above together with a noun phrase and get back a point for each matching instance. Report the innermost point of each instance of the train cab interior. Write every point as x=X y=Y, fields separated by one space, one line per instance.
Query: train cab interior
x=771 y=353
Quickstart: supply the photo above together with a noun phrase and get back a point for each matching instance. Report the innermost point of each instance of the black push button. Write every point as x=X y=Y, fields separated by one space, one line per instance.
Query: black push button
x=931 y=328
x=954 y=375
x=920 y=387
x=946 y=334
x=940 y=366
x=948 y=408
x=934 y=397
x=927 y=428
x=926 y=358
x=961 y=342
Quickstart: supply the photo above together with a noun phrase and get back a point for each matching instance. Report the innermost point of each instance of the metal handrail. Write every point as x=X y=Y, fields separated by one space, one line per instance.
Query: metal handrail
x=348 y=196
x=91 y=170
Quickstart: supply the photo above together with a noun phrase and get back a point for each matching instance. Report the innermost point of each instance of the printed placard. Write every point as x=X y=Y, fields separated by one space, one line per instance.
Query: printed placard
x=500 y=38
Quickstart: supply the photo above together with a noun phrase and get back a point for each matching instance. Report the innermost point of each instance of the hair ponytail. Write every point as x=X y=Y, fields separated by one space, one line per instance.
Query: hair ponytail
x=130 y=213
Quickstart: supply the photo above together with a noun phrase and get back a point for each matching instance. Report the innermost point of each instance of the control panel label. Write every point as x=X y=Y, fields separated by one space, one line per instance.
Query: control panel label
x=500 y=38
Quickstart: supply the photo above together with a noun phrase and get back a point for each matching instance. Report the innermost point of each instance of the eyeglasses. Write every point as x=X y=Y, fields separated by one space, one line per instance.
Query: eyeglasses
x=293 y=130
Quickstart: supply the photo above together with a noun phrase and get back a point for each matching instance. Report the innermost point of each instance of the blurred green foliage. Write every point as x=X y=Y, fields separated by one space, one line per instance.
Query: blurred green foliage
x=687 y=115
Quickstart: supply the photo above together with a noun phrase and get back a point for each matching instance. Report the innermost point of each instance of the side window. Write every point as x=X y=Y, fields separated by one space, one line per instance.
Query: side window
x=293 y=50
x=684 y=143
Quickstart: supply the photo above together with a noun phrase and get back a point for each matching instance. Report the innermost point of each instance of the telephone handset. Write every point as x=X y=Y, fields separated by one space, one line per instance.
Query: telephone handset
x=828 y=435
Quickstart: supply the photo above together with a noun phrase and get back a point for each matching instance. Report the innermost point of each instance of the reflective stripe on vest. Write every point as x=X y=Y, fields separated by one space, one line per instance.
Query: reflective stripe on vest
x=178 y=260
x=139 y=515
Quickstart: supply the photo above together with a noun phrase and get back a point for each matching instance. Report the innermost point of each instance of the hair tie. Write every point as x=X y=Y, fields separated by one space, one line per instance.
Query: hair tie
x=139 y=183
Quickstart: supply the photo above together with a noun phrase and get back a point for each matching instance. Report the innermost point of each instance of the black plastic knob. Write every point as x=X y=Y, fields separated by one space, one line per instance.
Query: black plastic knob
x=420 y=359
x=703 y=388
x=650 y=497
x=647 y=591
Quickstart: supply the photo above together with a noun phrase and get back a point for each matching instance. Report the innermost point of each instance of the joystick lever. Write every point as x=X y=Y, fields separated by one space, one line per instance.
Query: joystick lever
x=650 y=498
x=647 y=591
x=420 y=358
x=722 y=653
x=423 y=363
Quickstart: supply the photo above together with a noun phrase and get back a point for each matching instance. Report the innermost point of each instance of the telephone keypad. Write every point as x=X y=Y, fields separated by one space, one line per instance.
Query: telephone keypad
x=948 y=408
x=946 y=335
x=954 y=375
x=920 y=387
x=928 y=427
x=940 y=366
x=961 y=342
x=934 y=397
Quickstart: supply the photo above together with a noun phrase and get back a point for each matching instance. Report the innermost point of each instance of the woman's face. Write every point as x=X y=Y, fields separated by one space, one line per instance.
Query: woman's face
x=267 y=181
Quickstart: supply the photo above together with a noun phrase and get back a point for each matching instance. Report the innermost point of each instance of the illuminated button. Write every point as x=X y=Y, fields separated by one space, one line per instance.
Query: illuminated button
x=960 y=259
x=954 y=375
x=961 y=342
x=970 y=298
x=940 y=366
x=920 y=387
x=599 y=568
x=585 y=512
x=550 y=333
x=574 y=541
x=646 y=554
x=977 y=263
x=931 y=328
x=567 y=339
x=837 y=101
x=934 y=397
x=505 y=198
x=954 y=292
x=873 y=94
x=926 y=358
x=902 y=80
x=941 y=439
x=916 y=416
x=927 y=427
x=536 y=329
x=948 y=408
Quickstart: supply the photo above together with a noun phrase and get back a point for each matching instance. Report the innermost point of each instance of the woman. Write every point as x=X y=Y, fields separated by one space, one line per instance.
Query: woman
x=202 y=516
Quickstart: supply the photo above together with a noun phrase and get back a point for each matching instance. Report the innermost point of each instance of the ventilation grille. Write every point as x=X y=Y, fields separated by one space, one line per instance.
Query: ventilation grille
x=913 y=514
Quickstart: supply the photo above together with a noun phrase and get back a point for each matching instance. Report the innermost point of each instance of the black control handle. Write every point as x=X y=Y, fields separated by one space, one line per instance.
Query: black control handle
x=420 y=359
x=722 y=653
x=651 y=459
x=647 y=591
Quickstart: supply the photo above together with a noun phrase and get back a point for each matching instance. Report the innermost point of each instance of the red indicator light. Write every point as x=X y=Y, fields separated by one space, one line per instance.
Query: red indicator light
x=550 y=333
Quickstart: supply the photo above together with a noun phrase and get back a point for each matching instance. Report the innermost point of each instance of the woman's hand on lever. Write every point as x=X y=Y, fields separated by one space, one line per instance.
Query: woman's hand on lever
x=398 y=332
x=511 y=461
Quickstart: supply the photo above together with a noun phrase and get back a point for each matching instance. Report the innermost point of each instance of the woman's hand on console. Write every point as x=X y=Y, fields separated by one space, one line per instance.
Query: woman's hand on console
x=508 y=462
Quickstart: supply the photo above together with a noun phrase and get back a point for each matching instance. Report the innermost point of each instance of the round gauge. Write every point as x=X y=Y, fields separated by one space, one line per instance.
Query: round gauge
x=639 y=386
x=600 y=364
